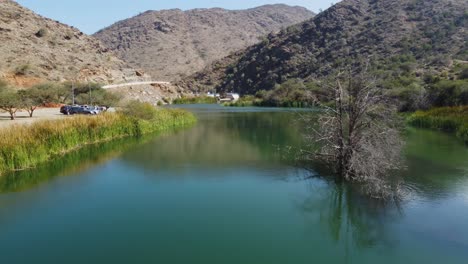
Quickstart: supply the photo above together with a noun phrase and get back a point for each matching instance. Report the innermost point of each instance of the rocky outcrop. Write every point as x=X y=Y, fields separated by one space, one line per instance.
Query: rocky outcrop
x=153 y=94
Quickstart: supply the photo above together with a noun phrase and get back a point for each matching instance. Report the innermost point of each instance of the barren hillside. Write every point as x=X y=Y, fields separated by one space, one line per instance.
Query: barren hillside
x=35 y=49
x=170 y=44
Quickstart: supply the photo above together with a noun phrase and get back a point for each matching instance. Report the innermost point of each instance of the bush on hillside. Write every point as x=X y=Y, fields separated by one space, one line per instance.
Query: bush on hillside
x=464 y=73
x=41 y=33
x=23 y=69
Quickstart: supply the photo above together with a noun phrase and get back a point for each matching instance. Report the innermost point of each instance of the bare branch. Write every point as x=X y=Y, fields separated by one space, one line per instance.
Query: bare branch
x=359 y=136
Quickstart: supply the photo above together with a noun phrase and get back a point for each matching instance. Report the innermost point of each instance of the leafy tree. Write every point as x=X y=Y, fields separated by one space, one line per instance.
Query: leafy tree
x=82 y=99
x=31 y=99
x=62 y=93
x=81 y=88
x=53 y=92
x=95 y=95
x=105 y=98
x=10 y=101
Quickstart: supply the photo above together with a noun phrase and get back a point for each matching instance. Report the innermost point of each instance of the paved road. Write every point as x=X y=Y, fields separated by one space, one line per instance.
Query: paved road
x=133 y=84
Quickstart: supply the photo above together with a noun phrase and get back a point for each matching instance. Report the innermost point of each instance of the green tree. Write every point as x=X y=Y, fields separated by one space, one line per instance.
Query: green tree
x=91 y=94
x=10 y=101
x=105 y=98
x=31 y=99
x=53 y=92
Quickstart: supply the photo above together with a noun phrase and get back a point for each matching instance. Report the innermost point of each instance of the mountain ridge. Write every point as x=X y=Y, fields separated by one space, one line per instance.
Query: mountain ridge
x=172 y=43
x=425 y=35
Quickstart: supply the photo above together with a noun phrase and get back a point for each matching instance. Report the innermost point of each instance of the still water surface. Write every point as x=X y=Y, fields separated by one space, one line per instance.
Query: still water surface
x=226 y=191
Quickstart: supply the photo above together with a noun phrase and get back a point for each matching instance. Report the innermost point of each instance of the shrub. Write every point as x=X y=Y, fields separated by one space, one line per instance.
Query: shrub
x=41 y=33
x=139 y=110
x=23 y=69
x=464 y=73
x=69 y=35
x=449 y=119
x=3 y=84
x=195 y=100
x=449 y=93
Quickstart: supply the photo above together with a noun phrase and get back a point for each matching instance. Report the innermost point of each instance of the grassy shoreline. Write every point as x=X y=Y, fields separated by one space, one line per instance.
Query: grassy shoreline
x=26 y=146
x=449 y=119
x=195 y=100
x=293 y=104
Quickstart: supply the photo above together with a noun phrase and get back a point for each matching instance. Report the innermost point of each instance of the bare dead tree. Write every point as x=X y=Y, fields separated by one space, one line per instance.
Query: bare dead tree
x=359 y=135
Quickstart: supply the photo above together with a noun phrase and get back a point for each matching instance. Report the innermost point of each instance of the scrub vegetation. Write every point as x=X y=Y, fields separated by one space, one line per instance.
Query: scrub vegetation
x=292 y=93
x=449 y=119
x=195 y=100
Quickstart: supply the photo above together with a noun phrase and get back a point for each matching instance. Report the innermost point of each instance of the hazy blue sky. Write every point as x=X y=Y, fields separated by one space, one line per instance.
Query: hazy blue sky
x=92 y=15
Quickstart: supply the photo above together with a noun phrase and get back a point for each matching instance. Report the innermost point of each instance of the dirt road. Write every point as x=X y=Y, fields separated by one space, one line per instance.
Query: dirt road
x=23 y=116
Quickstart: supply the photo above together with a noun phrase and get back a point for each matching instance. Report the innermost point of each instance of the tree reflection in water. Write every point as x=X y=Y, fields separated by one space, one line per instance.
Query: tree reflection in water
x=350 y=219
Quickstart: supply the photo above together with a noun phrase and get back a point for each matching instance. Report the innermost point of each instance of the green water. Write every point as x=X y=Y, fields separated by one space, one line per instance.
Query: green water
x=227 y=191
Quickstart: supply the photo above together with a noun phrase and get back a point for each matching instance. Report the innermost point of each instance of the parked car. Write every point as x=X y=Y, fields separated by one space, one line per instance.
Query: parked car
x=65 y=109
x=101 y=109
x=81 y=109
x=94 y=110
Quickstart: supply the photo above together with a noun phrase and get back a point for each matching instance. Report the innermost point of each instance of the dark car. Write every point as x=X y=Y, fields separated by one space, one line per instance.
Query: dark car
x=78 y=109
x=81 y=110
x=65 y=109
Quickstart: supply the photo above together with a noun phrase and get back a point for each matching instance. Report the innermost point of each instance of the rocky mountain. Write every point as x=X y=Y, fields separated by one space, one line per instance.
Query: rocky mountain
x=409 y=35
x=36 y=49
x=169 y=44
